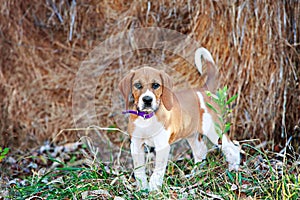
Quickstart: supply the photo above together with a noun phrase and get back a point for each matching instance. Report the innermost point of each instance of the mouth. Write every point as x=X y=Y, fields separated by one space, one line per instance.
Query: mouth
x=146 y=110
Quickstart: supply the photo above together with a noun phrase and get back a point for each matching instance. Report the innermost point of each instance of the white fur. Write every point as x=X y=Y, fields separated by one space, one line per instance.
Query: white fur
x=150 y=132
x=199 y=148
x=207 y=122
x=202 y=52
x=153 y=133
x=147 y=128
x=232 y=154
x=202 y=103
x=150 y=94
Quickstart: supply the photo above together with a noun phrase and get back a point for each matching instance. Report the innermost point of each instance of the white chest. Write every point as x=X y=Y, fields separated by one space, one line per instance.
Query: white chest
x=151 y=131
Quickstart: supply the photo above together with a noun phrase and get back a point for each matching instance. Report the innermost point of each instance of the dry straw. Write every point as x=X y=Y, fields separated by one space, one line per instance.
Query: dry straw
x=254 y=43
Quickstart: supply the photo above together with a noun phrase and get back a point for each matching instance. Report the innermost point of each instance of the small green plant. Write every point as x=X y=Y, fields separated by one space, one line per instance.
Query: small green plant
x=223 y=110
x=3 y=153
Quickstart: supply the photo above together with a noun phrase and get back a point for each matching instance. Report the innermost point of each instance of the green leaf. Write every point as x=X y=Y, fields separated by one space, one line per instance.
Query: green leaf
x=208 y=93
x=217 y=101
x=4 y=151
x=218 y=129
x=211 y=107
x=219 y=94
x=225 y=90
x=227 y=127
x=218 y=126
x=220 y=107
x=221 y=119
x=231 y=99
x=73 y=159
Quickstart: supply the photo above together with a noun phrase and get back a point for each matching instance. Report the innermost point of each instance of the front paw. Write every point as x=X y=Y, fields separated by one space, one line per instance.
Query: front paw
x=142 y=183
x=156 y=181
x=233 y=166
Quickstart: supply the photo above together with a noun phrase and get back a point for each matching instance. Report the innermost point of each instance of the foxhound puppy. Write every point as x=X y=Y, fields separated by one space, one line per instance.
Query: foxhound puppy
x=160 y=116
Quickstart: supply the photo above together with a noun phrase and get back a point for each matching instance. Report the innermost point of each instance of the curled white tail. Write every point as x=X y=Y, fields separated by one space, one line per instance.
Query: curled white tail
x=202 y=53
x=211 y=70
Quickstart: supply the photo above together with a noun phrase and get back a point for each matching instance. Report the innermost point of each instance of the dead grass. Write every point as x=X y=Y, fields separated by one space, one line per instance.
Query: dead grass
x=256 y=47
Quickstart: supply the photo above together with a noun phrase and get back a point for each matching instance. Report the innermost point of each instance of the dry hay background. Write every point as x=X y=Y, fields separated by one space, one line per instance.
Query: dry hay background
x=255 y=44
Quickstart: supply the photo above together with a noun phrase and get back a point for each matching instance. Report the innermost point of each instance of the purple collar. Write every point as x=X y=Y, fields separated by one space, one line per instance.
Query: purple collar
x=139 y=113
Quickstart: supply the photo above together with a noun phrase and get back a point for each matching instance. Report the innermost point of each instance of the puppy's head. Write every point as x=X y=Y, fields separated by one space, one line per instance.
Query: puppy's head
x=145 y=88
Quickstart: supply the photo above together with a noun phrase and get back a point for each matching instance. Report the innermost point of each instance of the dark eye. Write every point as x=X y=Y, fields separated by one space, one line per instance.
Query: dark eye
x=155 y=86
x=138 y=86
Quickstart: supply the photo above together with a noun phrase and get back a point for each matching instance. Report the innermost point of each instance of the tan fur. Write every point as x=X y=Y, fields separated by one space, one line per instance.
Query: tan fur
x=177 y=115
x=179 y=111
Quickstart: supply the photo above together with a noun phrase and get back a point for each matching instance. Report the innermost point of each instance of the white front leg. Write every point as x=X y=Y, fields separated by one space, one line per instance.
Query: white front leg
x=138 y=156
x=161 y=162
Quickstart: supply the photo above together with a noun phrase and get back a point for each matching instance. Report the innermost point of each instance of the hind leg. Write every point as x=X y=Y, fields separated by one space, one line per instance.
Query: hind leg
x=231 y=152
x=198 y=147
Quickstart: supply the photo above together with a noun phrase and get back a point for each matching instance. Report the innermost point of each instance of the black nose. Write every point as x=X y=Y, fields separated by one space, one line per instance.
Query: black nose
x=147 y=99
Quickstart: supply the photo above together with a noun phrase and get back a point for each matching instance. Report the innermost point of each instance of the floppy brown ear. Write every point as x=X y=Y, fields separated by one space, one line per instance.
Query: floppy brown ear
x=167 y=95
x=125 y=88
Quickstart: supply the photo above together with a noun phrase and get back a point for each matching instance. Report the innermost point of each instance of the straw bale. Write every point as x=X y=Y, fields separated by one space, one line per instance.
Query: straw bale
x=255 y=44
